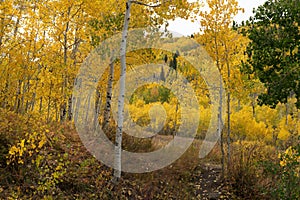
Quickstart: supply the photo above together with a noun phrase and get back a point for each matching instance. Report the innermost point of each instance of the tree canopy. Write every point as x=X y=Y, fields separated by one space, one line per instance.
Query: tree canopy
x=273 y=53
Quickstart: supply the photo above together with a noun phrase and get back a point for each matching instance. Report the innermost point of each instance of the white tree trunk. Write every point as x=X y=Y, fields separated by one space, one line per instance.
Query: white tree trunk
x=220 y=121
x=97 y=109
x=109 y=93
x=118 y=147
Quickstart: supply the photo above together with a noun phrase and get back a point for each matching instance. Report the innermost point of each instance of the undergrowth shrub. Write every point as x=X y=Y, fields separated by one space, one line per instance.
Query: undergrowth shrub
x=245 y=173
x=30 y=166
x=284 y=174
x=129 y=143
x=258 y=171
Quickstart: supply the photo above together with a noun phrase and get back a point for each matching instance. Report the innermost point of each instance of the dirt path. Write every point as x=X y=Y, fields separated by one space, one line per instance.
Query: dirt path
x=207 y=182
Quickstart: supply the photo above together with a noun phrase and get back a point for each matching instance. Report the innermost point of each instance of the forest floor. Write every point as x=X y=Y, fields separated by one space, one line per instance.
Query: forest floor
x=189 y=177
x=208 y=183
x=205 y=178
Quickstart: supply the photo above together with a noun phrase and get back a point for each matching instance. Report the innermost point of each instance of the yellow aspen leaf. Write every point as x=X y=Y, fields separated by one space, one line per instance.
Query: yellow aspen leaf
x=13 y=150
x=41 y=143
x=282 y=163
x=20 y=161
x=22 y=143
x=33 y=146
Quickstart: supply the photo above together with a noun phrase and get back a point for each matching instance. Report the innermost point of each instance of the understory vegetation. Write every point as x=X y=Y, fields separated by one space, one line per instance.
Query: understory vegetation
x=51 y=162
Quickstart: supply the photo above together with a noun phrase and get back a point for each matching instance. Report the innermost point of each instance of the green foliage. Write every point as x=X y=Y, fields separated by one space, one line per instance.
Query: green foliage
x=151 y=93
x=274 y=50
x=108 y=26
x=51 y=173
x=285 y=174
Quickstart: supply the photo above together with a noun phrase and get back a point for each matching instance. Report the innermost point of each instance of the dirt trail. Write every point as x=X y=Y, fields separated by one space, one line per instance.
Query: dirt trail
x=207 y=182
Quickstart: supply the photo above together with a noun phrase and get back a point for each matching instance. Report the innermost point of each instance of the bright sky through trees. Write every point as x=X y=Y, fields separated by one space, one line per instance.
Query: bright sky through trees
x=186 y=27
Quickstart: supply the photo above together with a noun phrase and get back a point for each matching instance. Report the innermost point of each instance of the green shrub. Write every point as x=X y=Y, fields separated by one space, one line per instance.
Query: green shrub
x=284 y=175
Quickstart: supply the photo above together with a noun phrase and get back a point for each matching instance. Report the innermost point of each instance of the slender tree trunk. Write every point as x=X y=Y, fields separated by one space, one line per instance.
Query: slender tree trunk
x=32 y=103
x=220 y=121
x=228 y=130
x=33 y=99
x=63 y=111
x=78 y=101
x=70 y=108
x=25 y=90
x=88 y=104
x=56 y=111
x=239 y=105
x=74 y=57
x=118 y=147
x=17 y=100
x=97 y=109
x=162 y=74
x=220 y=126
x=17 y=25
x=286 y=114
x=16 y=30
x=2 y=30
x=175 y=120
x=5 y=91
x=49 y=103
x=253 y=105
x=41 y=105
x=63 y=107
x=297 y=122
x=228 y=109
x=109 y=93
x=28 y=90
x=21 y=108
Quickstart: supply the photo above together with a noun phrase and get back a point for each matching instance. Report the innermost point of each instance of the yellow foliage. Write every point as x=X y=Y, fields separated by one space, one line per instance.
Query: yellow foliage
x=140 y=113
x=24 y=149
x=268 y=115
x=244 y=126
x=283 y=134
x=290 y=157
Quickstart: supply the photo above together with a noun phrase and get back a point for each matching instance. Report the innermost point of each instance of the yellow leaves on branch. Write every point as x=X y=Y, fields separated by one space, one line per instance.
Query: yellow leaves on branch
x=43 y=43
x=283 y=134
x=244 y=126
x=224 y=45
x=25 y=148
x=290 y=158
